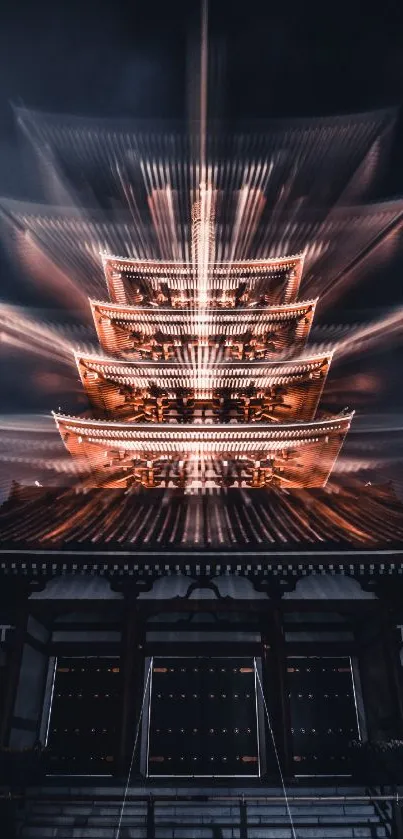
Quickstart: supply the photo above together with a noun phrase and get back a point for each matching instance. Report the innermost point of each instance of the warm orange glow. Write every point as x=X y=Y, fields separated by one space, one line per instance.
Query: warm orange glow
x=203 y=390
x=204 y=337
x=342 y=514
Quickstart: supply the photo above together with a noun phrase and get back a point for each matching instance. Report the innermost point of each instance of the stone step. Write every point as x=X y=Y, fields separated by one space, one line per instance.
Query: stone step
x=76 y=789
x=104 y=808
x=94 y=813
x=107 y=821
x=199 y=833
x=267 y=833
x=36 y=832
x=97 y=816
x=38 y=808
x=90 y=827
x=230 y=833
x=202 y=813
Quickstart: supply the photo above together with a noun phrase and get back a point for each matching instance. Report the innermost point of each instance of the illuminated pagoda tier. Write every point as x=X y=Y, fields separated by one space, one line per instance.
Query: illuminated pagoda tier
x=171 y=391
x=290 y=455
x=242 y=334
x=230 y=284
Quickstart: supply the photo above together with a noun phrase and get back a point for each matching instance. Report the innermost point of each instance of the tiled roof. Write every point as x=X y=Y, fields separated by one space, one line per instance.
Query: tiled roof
x=349 y=515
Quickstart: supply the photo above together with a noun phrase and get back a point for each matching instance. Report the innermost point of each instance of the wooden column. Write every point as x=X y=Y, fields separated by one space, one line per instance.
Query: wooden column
x=132 y=672
x=380 y=668
x=280 y=652
x=15 y=659
x=276 y=690
x=392 y=660
x=267 y=687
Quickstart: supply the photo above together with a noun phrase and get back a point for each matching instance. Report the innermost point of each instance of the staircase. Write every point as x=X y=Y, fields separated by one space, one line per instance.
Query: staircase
x=93 y=813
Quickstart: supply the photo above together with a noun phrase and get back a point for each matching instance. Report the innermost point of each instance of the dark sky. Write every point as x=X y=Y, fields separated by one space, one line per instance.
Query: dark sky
x=116 y=57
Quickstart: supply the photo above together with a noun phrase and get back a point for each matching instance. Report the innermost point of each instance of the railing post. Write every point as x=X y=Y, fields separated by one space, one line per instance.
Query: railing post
x=397 y=818
x=243 y=819
x=150 y=818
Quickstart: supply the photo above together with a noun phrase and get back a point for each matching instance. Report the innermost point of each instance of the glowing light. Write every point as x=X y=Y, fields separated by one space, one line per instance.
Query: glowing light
x=198 y=316
x=20 y=330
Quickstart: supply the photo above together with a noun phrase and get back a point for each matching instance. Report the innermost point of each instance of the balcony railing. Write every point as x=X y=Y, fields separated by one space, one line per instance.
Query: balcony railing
x=214 y=815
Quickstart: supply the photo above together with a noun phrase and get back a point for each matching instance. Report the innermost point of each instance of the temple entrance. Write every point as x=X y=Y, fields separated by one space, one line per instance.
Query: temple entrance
x=203 y=718
x=323 y=714
x=84 y=716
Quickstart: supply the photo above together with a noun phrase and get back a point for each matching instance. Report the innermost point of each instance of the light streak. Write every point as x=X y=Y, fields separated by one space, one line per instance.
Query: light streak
x=387 y=329
x=244 y=205
x=19 y=330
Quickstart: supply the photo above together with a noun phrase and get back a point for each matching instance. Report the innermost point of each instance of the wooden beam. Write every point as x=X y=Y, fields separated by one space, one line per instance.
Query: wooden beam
x=204 y=649
x=279 y=651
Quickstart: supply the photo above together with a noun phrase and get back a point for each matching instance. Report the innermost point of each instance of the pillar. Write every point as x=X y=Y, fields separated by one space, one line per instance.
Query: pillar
x=378 y=655
x=132 y=669
x=15 y=658
x=276 y=691
x=391 y=647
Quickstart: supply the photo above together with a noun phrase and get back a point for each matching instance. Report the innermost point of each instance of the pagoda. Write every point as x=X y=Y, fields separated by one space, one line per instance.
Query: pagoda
x=203 y=379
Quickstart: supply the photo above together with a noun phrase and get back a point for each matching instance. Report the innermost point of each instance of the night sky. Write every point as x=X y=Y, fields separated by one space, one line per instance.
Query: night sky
x=117 y=58
x=129 y=58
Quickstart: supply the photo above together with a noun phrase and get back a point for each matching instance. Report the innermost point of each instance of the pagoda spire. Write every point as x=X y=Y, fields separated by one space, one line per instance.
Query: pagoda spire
x=203 y=242
x=203 y=92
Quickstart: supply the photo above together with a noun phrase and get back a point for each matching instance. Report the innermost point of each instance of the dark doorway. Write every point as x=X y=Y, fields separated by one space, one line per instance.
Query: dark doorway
x=84 y=716
x=203 y=718
x=323 y=714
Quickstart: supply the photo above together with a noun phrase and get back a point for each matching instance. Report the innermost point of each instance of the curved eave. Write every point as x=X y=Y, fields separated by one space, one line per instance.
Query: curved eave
x=283 y=429
x=282 y=311
x=272 y=368
x=162 y=265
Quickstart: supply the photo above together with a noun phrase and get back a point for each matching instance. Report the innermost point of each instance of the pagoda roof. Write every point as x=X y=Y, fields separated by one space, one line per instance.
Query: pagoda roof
x=303 y=454
x=116 y=324
x=182 y=276
x=149 y=318
x=160 y=266
x=303 y=379
x=137 y=523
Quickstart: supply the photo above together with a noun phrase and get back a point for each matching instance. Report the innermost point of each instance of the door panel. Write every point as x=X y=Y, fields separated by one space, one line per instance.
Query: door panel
x=85 y=714
x=323 y=714
x=203 y=718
